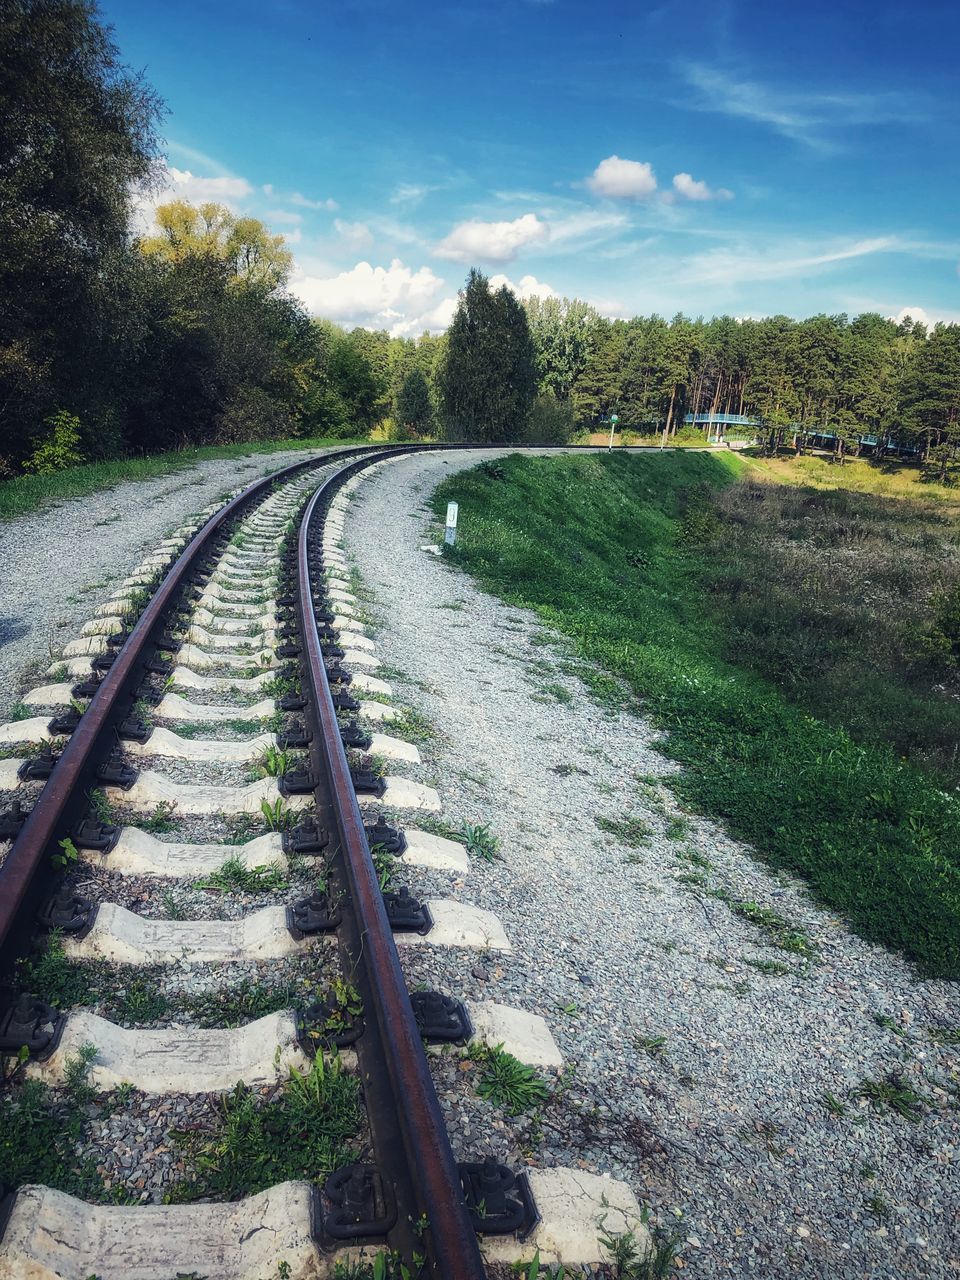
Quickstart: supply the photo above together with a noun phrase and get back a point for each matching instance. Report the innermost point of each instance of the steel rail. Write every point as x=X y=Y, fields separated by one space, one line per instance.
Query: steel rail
x=406 y=1122
x=21 y=873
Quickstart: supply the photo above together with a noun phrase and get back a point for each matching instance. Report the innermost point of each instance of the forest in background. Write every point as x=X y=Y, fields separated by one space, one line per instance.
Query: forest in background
x=116 y=343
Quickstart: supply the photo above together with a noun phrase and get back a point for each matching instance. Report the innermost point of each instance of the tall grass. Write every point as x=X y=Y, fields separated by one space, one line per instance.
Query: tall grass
x=615 y=552
x=27 y=493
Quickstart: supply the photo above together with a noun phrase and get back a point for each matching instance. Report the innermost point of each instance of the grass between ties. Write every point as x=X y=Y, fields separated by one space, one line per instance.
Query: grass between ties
x=757 y=684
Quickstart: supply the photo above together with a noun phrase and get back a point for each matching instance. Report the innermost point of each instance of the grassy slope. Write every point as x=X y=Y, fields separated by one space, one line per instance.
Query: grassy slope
x=604 y=549
x=24 y=494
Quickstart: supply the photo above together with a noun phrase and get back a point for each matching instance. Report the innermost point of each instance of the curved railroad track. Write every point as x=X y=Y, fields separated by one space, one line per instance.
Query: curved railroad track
x=147 y=728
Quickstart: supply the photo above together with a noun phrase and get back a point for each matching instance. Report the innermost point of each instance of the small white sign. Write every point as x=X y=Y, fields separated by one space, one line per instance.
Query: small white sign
x=450 y=536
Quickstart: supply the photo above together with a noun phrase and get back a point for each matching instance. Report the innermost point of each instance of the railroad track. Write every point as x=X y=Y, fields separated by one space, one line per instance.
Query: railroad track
x=241 y=646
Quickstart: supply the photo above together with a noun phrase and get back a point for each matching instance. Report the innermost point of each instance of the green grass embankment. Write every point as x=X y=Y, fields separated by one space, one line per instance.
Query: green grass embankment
x=612 y=551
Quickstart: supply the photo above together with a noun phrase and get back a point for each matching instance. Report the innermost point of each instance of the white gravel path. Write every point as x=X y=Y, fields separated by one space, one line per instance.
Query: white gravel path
x=58 y=564
x=722 y=1128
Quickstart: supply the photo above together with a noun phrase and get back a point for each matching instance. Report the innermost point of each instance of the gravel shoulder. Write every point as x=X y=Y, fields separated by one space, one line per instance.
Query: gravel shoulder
x=711 y=1067
x=58 y=564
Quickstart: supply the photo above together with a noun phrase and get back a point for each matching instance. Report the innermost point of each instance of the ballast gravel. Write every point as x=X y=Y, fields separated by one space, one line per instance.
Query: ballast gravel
x=57 y=564
x=714 y=1071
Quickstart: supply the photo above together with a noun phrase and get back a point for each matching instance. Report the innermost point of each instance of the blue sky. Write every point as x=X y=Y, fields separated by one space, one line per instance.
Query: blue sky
x=707 y=156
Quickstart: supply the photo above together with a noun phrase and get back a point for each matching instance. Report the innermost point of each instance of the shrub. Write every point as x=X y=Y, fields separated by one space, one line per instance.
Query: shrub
x=60 y=448
x=550 y=421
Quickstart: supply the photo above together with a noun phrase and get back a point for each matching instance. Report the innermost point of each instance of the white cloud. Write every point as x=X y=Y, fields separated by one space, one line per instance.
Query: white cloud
x=806 y=116
x=586 y=224
x=435 y=320
x=476 y=240
x=623 y=179
x=747 y=264
x=184 y=185
x=356 y=236
x=283 y=215
x=688 y=187
x=181 y=184
x=409 y=193
x=305 y=203
x=376 y=297
x=527 y=287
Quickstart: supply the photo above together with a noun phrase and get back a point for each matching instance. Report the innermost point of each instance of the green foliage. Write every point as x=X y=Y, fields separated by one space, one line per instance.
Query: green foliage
x=59 y=449
x=68 y=856
x=506 y=1080
x=480 y=840
x=631 y=831
x=277 y=816
x=632 y=1258
x=414 y=407
x=892 y=1093
x=40 y=1134
x=234 y=876
x=161 y=820
x=305 y=1133
x=550 y=421
x=874 y=836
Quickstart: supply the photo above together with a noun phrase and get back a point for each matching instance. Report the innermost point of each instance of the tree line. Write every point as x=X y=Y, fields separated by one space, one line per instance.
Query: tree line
x=113 y=341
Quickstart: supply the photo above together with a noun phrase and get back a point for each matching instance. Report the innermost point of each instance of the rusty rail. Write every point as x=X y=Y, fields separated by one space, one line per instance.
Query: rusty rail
x=410 y=1141
x=26 y=873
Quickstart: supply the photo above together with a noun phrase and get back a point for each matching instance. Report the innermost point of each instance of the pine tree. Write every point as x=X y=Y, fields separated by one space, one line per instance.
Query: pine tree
x=414 y=410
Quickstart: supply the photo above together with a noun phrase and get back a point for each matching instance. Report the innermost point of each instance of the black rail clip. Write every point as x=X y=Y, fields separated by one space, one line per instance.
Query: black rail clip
x=86 y=688
x=362 y=1204
x=331 y=650
x=328 y=1025
x=115 y=772
x=294 y=734
x=390 y=839
x=441 y=1019
x=296 y=782
x=63 y=725
x=117 y=639
x=344 y=701
x=368 y=783
x=68 y=912
x=103 y=661
x=39 y=767
x=337 y=674
x=133 y=729
x=354 y=736
x=11 y=821
x=407 y=914
x=287 y=651
x=292 y=702
x=499 y=1201
x=31 y=1023
x=315 y=914
x=307 y=838
x=91 y=833
x=157 y=667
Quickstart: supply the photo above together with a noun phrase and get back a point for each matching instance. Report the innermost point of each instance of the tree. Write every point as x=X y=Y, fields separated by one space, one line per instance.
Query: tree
x=244 y=245
x=414 y=409
x=77 y=131
x=489 y=379
x=561 y=330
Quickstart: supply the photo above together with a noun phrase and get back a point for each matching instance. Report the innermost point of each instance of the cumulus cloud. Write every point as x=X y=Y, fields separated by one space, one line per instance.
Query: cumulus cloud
x=184 y=185
x=377 y=297
x=476 y=240
x=435 y=320
x=688 y=187
x=355 y=235
x=623 y=179
x=526 y=287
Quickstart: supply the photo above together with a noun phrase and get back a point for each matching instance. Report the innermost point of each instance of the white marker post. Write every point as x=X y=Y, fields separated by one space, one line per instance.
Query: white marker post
x=613 y=426
x=450 y=533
